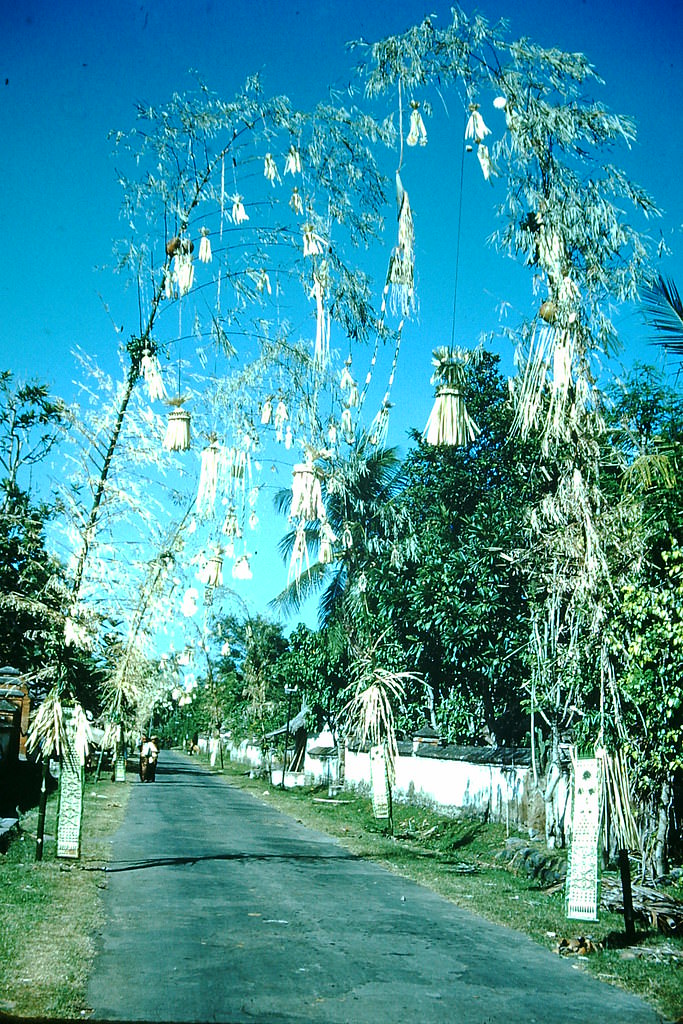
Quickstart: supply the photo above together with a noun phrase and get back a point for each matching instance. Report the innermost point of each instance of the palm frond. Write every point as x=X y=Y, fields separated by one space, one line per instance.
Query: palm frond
x=282 y=499
x=50 y=733
x=298 y=591
x=333 y=595
x=286 y=543
x=47 y=732
x=369 y=712
x=663 y=310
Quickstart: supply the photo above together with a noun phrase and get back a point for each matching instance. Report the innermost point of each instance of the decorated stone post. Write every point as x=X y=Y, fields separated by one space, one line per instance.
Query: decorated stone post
x=71 y=781
x=583 y=873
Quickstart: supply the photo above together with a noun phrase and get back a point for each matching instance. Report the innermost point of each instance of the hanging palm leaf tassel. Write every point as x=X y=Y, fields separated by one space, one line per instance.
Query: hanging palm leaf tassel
x=205 y=254
x=327 y=538
x=401 y=264
x=177 y=437
x=380 y=425
x=280 y=419
x=418 y=132
x=299 y=555
x=321 y=352
x=182 y=270
x=449 y=422
x=307 y=499
x=211 y=460
x=214 y=571
x=267 y=412
x=232 y=530
x=150 y=371
x=241 y=570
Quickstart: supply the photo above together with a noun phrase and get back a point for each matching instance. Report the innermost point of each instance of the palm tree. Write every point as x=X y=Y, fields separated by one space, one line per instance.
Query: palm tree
x=663 y=310
x=359 y=495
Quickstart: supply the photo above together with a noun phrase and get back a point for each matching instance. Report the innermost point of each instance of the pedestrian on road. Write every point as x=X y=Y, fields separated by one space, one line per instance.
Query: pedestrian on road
x=194 y=744
x=152 y=759
x=148 y=759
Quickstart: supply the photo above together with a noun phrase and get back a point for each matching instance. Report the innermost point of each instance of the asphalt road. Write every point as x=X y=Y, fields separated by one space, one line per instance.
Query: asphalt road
x=219 y=908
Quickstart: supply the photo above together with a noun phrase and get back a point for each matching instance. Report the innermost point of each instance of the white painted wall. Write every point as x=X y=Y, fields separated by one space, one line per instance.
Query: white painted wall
x=500 y=793
x=454 y=786
x=244 y=752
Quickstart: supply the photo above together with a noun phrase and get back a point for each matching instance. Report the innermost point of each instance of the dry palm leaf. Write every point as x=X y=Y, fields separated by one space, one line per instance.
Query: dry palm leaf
x=369 y=713
x=449 y=421
x=48 y=733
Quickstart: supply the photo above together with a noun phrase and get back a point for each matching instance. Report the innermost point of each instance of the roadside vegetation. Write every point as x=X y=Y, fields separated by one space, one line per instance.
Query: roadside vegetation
x=52 y=911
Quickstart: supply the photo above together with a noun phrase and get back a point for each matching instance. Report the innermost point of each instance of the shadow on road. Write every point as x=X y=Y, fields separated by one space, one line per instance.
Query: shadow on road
x=176 y=769
x=161 y=862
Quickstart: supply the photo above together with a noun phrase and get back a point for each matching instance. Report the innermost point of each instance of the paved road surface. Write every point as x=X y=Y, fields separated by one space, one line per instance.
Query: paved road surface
x=221 y=909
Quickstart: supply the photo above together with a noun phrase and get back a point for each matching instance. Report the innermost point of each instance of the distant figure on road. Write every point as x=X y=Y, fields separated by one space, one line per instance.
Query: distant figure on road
x=149 y=752
x=194 y=744
x=153 y=758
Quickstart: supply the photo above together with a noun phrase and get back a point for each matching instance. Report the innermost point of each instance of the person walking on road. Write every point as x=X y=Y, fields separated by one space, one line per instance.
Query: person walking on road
x=149 y=752
x=152 y=759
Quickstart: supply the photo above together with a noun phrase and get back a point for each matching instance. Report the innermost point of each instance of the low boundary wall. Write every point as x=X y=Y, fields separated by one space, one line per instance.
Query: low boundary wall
x=479 y=781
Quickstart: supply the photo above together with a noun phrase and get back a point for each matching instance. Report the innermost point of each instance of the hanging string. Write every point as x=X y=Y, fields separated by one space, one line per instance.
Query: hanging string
x=400 y=127
x=457 y=243
x=220 y=235
x=180 y=336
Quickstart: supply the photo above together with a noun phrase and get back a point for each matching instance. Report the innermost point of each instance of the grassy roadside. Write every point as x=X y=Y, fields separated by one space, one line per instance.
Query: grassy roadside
x=460 y=861
x=52 y=911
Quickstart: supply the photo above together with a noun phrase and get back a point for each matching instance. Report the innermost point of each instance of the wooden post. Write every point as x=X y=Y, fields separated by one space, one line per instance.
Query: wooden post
x=99 y=765
x=289 y=690
x=42 y=807
x=625 y=869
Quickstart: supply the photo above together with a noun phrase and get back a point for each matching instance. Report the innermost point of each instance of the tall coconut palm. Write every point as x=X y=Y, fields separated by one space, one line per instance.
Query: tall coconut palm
x=359 y=494
x=663 y=311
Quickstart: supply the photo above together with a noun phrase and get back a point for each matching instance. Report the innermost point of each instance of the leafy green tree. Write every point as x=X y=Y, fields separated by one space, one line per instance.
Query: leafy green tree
x=457 y=606
x=652 y=702
x=32 y=598
x=317 y=662
x=248 y=678
x=264 y=643
x=646 y=426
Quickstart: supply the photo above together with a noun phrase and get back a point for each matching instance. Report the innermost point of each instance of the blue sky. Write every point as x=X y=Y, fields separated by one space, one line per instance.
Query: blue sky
x=71 y=72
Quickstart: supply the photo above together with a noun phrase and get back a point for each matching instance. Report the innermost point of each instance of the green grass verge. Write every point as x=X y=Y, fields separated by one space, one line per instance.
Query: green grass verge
x=459 y=860
x=52 y=910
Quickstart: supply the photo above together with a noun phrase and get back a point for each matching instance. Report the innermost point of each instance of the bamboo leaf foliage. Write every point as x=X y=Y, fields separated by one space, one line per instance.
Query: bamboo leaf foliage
x=548 y=150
